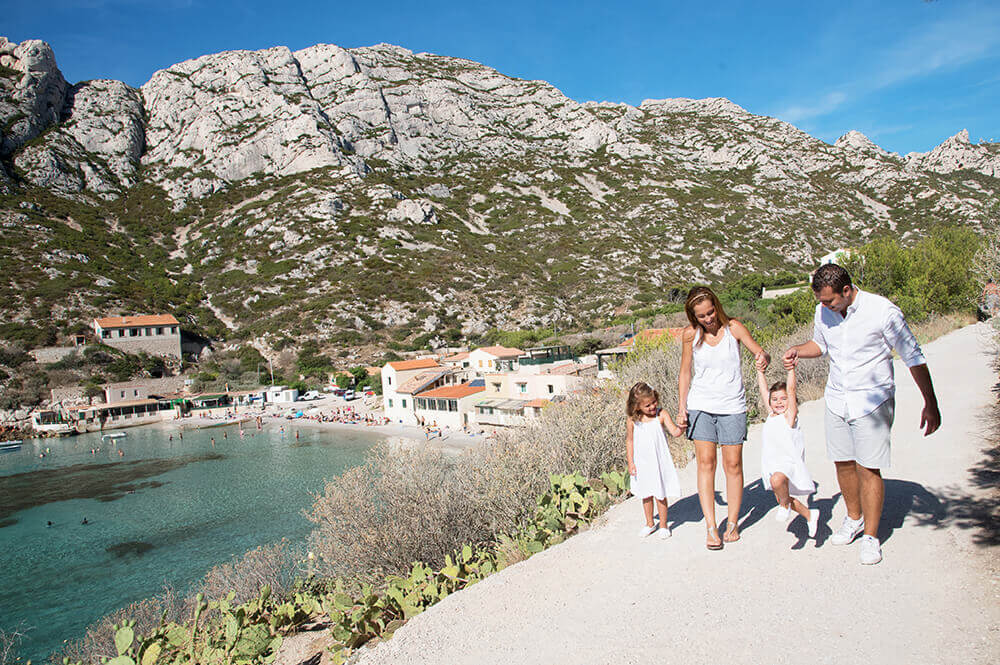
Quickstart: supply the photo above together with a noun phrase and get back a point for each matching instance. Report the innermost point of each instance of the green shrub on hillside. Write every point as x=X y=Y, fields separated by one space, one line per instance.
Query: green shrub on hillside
x=933 y=276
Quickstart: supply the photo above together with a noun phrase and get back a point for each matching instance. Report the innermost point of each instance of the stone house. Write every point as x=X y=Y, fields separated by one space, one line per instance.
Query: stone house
x=157 y=335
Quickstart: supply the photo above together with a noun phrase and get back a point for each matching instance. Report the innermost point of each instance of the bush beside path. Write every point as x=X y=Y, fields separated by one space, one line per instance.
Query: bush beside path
x=605 y=596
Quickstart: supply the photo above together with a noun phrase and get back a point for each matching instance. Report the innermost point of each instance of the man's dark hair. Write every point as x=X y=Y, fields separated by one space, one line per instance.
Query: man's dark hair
x=831 y=275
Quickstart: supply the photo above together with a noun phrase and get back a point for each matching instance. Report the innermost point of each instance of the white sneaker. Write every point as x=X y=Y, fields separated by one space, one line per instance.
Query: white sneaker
x=664 y=533
x=813 y=524
x=871 y=550
x=646 y=530
x=848 y=531
x=781 y=514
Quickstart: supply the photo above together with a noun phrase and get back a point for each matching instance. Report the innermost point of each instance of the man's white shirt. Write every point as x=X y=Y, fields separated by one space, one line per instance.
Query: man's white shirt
x=860 y=347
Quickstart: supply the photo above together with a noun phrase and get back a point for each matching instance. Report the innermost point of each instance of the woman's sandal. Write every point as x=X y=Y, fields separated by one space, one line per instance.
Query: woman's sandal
x=711 y=544
x=732 y=534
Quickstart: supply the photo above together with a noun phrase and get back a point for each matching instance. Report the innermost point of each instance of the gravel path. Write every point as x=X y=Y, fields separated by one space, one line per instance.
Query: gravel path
x=605 y=596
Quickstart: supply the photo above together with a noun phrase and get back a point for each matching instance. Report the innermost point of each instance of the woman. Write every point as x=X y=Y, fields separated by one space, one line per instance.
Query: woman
x=713 y=404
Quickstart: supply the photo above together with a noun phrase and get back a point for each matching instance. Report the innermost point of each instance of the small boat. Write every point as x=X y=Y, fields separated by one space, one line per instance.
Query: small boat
x=114 y=436
x=10 y=445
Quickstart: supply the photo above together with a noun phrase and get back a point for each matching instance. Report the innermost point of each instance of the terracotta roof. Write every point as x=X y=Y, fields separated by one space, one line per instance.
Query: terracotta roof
x=453 y=392
x=538 y=403
x=502 y=351
x=417 y=383
x=457 y=357
x=654 y=333
x=144 y=320
x=422 y=363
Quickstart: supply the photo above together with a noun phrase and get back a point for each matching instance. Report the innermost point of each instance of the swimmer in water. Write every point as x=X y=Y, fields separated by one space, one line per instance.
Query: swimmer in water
x=84 y=521
x=49 y=525
x=170 y=438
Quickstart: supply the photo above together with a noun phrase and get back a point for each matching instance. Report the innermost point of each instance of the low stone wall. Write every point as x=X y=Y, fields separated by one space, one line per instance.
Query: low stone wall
x=70 y=396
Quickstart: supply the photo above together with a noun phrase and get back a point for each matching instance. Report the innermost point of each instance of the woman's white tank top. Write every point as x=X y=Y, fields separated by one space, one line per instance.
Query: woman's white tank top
x=717 y=376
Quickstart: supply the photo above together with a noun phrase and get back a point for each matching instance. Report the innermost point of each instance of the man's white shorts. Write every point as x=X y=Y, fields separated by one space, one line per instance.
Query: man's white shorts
x=864 y=440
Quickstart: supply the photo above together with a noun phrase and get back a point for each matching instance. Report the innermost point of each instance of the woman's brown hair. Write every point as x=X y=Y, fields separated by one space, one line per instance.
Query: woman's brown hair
x=639 y=392
x=699 y=294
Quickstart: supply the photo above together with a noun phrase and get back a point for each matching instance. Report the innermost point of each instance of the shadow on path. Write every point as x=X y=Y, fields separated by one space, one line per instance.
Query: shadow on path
x=978 y=509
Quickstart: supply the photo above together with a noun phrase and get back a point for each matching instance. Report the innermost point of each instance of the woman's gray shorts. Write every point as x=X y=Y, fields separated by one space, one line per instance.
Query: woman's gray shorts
x=723 y=428
x=864 y=440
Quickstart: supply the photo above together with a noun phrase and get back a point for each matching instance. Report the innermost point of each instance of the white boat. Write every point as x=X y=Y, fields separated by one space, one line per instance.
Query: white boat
x=10 y=445
x=114 y=436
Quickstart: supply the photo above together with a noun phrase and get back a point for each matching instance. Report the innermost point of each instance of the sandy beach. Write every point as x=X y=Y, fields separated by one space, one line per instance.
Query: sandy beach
x=328 y=407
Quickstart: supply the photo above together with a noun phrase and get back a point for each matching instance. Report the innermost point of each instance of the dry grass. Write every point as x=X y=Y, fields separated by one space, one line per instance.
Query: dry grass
x=273 y=566
x=938 y=325
x=99 y=640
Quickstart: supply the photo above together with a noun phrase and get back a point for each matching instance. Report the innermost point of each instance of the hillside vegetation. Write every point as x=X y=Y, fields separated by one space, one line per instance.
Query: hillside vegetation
x=373 y=197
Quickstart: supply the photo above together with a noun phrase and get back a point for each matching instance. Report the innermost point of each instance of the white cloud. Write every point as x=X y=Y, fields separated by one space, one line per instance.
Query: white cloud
x=828 y=103
x=942 y=46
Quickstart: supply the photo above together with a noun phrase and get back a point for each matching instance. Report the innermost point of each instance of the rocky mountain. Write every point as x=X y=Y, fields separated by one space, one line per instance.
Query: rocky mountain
x=362 y=196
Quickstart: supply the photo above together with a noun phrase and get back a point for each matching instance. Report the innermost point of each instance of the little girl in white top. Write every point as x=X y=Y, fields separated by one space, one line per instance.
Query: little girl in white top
x=649 y=462
x=783 y=453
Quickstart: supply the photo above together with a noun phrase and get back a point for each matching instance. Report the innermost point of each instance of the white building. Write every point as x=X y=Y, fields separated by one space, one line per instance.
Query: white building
x=494 y=359
x=448 y=406
x=403 y=378
x=509 y=399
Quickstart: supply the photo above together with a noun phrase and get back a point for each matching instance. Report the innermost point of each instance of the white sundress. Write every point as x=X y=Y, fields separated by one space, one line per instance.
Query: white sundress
x=783 y=450
x=655 y=473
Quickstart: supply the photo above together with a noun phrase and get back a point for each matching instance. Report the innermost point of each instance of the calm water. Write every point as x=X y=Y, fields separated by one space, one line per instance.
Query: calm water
x=164 y=513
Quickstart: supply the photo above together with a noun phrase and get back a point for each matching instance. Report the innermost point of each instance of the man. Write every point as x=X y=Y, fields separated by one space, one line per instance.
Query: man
x=858 y=331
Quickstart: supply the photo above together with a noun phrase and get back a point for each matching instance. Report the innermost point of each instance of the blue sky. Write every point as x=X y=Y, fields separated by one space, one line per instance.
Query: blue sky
x=908 y=73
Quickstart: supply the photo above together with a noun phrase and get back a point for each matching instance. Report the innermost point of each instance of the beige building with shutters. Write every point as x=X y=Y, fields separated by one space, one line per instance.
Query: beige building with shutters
x=157 y=335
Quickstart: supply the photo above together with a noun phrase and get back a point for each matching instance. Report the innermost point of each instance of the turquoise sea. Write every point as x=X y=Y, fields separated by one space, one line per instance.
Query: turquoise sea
x=163 y=512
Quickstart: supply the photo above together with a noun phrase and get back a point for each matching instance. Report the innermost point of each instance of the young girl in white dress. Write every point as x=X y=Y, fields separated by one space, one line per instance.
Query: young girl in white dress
x=649 y=462
x=783 y=453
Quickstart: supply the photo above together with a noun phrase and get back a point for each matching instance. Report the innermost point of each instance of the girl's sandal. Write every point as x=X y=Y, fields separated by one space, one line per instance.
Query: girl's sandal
x=712 y=541
x=732 y=534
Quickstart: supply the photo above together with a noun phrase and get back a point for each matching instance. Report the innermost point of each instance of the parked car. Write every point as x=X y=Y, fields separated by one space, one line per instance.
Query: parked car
x=311 y=395
x=349 y=395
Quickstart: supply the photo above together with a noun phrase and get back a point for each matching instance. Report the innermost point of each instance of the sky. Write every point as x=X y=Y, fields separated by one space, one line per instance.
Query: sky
x=906 y=73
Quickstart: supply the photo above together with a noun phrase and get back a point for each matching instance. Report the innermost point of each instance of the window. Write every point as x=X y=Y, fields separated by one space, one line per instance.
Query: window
x=552 y=389
x=135 y=393
x=133 y=332
x=522 y=387
x=453 y=405
x=159 y=331
x=173 y=330
x=105 y=334
x=149 y=332
x=388 y=380
x=403 y=402
x=121 y=332
x=480 y=363
x=496 y=387
x=123 y=394
x=390 y=403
